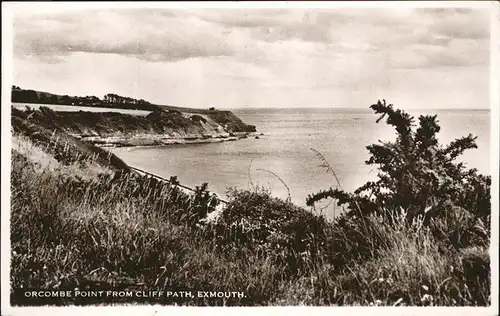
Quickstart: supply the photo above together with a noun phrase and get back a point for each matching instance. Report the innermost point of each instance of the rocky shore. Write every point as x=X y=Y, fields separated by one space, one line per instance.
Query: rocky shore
x=159 y=128
x=164 y=140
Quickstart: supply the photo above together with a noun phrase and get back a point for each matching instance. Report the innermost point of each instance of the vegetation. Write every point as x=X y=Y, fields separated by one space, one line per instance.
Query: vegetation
x=110 y=100
x=89 y=224
x=105 y=124
x=421 y=177
x=230 y=121
x=43 y=128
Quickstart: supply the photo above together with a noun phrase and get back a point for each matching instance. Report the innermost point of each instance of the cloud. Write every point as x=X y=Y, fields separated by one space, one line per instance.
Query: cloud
x=410 y=38
x=274 y=25
x=169 y=35
x=144 y=34
x=255 y=57
x=457 y=53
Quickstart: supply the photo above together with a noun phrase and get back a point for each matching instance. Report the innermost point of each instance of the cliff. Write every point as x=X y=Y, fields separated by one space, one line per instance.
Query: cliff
x=157 y=128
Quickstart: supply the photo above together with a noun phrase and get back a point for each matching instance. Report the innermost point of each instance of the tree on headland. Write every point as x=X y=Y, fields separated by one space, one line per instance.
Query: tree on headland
x=28 y=96
x=66 y=100
x=109 y=100
x=54 y=99
x=112 y=99
x=43 y=99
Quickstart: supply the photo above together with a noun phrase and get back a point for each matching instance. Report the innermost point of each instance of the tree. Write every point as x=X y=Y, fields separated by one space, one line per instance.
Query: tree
x=416 y=173
x=43 y=99
x=29 y=96
x=66 y=100
x=53 y=99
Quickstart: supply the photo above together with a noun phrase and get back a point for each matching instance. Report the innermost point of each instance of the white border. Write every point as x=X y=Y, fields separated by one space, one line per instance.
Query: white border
x=495 y=145
x=7 y=74
x=46 y=7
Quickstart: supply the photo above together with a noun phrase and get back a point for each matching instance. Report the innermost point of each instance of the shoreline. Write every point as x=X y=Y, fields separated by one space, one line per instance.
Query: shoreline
x=84 y=206
x=161 y=128
x=159 y=140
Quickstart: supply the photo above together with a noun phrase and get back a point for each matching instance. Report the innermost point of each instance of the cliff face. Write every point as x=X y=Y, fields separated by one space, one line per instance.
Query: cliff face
x=230 y=121
x=159 y=127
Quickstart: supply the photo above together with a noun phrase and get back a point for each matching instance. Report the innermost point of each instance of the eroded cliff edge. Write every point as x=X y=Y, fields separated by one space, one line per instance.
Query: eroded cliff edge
x=161 y=127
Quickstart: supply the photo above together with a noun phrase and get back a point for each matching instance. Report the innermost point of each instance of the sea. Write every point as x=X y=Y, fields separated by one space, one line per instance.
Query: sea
x=286 y=160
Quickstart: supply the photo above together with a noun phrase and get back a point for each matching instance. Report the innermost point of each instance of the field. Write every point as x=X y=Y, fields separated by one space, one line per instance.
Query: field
x=76 y=108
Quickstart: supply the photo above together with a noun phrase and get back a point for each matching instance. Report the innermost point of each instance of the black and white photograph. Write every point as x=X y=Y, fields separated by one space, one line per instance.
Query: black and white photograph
x=250 y=154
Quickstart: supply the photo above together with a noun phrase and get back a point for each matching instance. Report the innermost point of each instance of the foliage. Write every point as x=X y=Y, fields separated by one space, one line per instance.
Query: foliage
x=110 y=100
x=119 y=230
x=417 y=174
x=198 y=118
x=230 y=121
x=255 y=220
x=43 y=128
x=402 y=265
x=202 y=203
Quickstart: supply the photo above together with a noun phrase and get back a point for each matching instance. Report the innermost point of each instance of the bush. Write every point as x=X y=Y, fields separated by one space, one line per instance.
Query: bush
x=125 y=231
x=198 y=118
x=254 y=220
x=418 y=175
x=408 y=267
x=230 y=121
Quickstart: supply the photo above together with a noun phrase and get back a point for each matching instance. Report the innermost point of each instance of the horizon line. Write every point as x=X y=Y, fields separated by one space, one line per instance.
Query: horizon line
x=294 y=107
x=345 y=107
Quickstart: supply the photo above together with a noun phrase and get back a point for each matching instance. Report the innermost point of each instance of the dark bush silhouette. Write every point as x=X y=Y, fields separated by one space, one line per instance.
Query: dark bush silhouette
x=127 y=231
x=417 y=174
x=110 y=100
x=197 y=118
x=293 y=236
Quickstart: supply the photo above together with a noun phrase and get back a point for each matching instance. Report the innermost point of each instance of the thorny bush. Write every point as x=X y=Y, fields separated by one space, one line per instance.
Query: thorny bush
x=422 y=177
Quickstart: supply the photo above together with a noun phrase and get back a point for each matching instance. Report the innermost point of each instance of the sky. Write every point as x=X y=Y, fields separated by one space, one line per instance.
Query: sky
x=251 y=58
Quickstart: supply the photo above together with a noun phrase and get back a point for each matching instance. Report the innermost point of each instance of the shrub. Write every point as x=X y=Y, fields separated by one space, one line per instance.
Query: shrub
x=198 y=118
x=407 y=266
x=43 y=128
x=122 y=232
x=230 y=121
x=254 y=220
x=423 y=225
x=417 y=174
x=126 y=231
x=201 y=203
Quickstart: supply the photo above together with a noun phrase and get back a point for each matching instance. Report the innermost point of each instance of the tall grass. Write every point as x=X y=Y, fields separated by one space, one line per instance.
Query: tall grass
x=405 y=265
x=113 y=229
x=117 y=233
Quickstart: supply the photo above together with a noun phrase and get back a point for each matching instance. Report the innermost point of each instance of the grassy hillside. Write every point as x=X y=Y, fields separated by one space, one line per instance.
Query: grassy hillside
x=35 y=96
x=124 y=127
x=43 y=130
x=89 y=223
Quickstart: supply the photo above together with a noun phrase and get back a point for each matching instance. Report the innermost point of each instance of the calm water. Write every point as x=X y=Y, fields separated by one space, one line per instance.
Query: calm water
x=341 y=135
